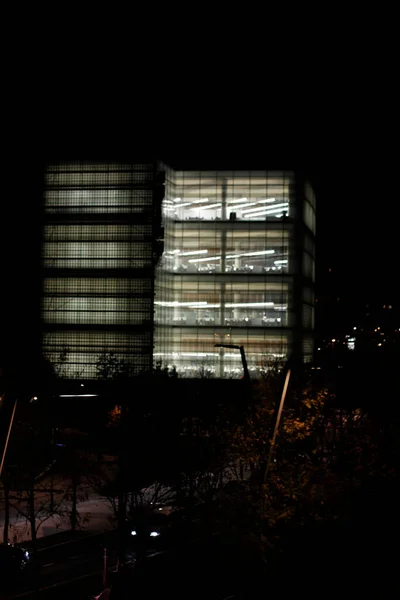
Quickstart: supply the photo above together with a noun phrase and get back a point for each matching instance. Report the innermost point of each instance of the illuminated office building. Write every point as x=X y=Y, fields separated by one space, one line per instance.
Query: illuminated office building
x=237 y=268
x=99 y=254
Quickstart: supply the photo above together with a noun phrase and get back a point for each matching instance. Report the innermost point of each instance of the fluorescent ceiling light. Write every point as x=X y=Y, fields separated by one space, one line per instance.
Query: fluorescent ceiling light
x=260 y=253
x=177 y=199
x=195 y=354
x=210 y=206
x=206 y=306
x=228 y=256
x=250 y=305
x=242 y=205
x=208 y=258
x=183 y=204
x=265 y=214
x=77 y=395
x=272 y=209
x=179 y=253
x=199 y=201
x=176 y=303
x=280 y=262
x=237 y=201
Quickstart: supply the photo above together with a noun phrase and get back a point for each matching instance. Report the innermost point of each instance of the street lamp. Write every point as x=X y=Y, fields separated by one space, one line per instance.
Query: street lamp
x=243 y=355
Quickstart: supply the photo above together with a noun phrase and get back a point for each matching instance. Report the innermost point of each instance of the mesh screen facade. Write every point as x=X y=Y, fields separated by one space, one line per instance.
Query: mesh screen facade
x=237 y=268
x=98 y=259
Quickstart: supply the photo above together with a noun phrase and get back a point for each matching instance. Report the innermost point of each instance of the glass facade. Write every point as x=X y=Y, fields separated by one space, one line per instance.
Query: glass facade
x=98 y=259
x=237 y=268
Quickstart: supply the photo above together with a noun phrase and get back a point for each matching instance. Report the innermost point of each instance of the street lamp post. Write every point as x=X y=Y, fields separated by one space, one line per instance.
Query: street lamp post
x=242 y=354
x=8 y=436
x=278 y=418
x=51 y=472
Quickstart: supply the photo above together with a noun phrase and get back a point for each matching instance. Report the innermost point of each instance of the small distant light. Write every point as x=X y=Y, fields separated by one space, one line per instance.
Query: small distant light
x=26 y=553
x=354 y=328
x=82 y=385
x=318 y=348
x=390 y=307
x=160 y=509
x=133 y=532
x=154 y=534
x=379 y=344
x=378 y=328
x=333 y=341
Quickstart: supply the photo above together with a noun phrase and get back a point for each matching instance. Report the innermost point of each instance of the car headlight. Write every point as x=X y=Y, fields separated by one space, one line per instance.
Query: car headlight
x=133 y=532
x=154 y=534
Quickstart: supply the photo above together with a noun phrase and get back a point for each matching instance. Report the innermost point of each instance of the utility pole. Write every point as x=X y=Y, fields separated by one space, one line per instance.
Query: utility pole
x=105 y=568
x=51 y=472
x=8 y=436
x=278 y=418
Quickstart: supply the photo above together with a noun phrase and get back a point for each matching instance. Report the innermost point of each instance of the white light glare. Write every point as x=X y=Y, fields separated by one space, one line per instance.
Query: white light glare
x=154 y=534
x=280 y=262
x=183 y=204
x=133 y=532
x=177 y=199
